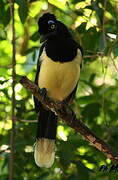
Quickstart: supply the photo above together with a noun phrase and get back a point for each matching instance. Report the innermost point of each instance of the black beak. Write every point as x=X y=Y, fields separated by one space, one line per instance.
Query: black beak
x=44 y=37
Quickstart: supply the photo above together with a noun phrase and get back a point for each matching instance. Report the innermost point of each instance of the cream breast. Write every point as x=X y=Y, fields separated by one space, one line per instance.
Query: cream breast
x=58 y=78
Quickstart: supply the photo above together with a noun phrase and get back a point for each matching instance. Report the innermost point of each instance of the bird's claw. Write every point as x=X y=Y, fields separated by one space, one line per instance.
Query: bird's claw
x=43 y=93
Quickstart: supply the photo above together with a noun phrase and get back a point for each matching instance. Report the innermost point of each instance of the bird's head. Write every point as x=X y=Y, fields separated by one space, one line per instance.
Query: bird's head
x=49 y=26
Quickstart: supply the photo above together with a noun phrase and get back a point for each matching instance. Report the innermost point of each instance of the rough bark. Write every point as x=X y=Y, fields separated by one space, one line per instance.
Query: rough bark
x=69 y=117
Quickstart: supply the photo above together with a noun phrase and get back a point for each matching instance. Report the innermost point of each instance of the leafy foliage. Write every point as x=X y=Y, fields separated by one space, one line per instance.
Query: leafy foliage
x=94 y=24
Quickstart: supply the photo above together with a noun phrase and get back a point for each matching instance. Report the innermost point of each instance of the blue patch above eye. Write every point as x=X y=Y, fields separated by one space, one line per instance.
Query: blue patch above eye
x=51 y=22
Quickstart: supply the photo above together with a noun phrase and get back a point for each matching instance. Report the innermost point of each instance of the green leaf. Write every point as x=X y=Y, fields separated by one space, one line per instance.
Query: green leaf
x=91 y=39
x=18 y=78
x=88 y=99
x=22 y=10
x=43 y=176
x=5 y=91
x=2 y=82
x=82 y=171
x=91 y=111
x=98 y=9
x=115 y=50
x=30 y=50
x=35 y=36
x=66 y=153
x=4 y=13
x=82 y=27
x=76 y=1
x=92 y=77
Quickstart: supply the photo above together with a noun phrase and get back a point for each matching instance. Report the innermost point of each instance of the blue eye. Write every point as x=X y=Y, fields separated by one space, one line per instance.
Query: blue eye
x=51 y=24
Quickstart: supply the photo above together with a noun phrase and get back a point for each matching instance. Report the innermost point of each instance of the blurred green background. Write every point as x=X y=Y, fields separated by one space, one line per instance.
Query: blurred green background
x=94 y=25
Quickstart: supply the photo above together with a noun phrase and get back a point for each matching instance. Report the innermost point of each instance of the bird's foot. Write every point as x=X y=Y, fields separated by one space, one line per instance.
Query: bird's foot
x=64 y=102
x=43 y=93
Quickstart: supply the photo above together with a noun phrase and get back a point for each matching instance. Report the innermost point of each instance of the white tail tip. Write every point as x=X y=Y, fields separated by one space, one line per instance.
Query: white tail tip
x=44 y=152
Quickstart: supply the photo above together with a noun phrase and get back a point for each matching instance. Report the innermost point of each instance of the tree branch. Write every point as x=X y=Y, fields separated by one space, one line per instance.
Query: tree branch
x=69 y=117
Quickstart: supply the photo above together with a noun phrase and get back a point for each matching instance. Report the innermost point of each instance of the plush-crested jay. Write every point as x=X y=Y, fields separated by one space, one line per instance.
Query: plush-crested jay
x=58 y=71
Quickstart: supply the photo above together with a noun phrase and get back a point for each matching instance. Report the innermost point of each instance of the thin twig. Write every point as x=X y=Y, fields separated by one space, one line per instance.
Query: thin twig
x=8 y=66
x=68 y=116
x=114 y=64
x=26 y=120
x=12 y=135
x=92 y=56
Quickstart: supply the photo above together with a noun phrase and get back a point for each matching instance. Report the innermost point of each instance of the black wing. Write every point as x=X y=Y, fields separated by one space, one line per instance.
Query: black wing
x=36 y=102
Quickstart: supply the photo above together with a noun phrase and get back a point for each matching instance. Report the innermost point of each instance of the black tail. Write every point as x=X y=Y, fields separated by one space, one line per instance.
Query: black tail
x=45 y=140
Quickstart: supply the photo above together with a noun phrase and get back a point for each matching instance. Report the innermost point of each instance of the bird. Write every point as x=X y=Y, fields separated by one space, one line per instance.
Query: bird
x=58 y=72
